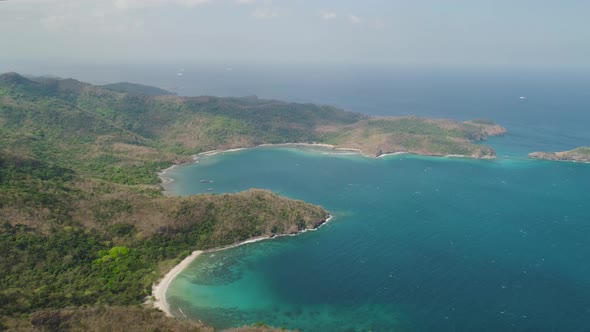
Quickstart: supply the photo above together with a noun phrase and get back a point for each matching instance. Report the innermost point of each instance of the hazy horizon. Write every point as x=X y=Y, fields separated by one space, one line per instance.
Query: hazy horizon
x=500 y=33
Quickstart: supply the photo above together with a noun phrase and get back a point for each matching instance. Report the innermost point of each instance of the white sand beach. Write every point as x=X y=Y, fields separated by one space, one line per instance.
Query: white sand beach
x=159 y=289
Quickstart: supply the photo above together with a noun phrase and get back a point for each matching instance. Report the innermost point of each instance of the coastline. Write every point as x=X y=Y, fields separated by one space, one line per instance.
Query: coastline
x=160 y=288
x=319 y=145
x=331 y=147
x=560 y=160
x=571 y=156
x=461 y=156
x=214 y=152
x=164 y=180
x=167 y=180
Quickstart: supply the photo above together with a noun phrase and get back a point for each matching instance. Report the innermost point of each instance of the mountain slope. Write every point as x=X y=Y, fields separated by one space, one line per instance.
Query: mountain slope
x=131 y=129
x=81 y=222
x=82 y=218
x=134 y=88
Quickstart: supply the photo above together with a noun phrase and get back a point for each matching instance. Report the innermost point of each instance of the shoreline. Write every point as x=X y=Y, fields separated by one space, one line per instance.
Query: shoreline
x=167 y=180
x=160 y=288
x=164 y=180
x=267 y=145
x=559 y=160
x=458 y=156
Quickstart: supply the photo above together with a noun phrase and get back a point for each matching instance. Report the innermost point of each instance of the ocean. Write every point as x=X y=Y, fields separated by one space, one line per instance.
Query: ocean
x=543 y=108
x=416 y=243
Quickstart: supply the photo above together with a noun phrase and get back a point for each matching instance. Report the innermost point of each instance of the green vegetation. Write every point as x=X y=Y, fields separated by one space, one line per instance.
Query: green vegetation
x=437 y=137
x=101 y=318
x=134 y=88
x=582 y=151
x=483 y=121
x=83 y=222
x=65 y=247
x=113 y=319
x=121 y=137
x=581 y=154
x=69 y=242
x=120 y=133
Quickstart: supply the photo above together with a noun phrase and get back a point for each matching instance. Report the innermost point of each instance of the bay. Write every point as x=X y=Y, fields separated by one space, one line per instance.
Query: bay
x=416 y=244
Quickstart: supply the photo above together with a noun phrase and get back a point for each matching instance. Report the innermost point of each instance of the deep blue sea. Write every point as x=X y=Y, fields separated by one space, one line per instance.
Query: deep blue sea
x=416 y=243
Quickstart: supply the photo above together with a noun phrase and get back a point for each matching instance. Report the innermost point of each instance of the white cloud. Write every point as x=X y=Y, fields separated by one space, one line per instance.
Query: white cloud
x=53 y=21
x=123 y=4
x=379 y=24
x=265 y=12
x=265 y=9
x=351 y=18
x=354 y=19
x=129 y=4
x=91 y=17
x=328 y=16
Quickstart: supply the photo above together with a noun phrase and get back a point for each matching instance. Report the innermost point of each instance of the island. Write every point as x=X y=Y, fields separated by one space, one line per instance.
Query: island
x=581 y=154
x=85 y=228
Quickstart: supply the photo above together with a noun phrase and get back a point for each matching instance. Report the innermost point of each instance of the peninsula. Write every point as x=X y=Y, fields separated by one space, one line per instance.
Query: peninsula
x=581 y=154
x=423 y=136
x=85 y=228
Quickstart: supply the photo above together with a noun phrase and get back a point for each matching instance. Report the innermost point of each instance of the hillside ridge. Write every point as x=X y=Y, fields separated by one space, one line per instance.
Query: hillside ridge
x=83 y=221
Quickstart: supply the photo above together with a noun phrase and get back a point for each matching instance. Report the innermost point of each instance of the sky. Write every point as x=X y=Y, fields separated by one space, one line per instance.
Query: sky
x=378 y=32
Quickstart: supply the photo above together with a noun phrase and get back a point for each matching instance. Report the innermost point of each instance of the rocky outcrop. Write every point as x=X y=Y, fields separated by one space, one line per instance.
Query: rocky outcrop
x=581 y=154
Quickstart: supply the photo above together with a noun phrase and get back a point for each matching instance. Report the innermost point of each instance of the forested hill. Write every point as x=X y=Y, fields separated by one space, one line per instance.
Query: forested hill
x=134 y=88
x=82 y=219
x=98 y=131
x=69 y=241
x=119 y=129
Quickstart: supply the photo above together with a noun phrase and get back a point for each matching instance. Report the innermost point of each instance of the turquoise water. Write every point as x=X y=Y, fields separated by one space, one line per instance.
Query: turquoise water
x=416 y=244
